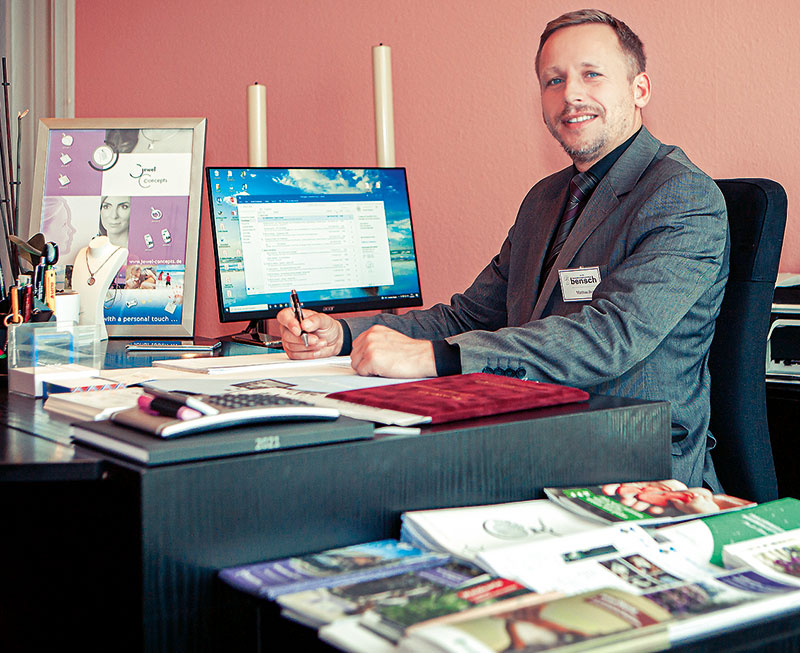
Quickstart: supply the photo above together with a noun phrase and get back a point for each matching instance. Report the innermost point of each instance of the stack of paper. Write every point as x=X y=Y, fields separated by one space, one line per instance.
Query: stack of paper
x=97 y=405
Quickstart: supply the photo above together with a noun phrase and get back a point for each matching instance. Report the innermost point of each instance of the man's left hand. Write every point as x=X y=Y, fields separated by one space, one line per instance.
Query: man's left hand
x=381 y=351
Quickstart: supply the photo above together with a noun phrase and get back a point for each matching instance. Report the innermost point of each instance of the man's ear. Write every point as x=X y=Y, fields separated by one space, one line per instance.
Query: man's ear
x=641 y=90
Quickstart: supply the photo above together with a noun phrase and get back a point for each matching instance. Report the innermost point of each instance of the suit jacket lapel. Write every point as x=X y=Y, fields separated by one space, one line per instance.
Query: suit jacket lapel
x=619 y=181
x=548 y=219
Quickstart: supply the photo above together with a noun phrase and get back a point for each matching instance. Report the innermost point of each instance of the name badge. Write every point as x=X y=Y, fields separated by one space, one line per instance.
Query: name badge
x=578 y=284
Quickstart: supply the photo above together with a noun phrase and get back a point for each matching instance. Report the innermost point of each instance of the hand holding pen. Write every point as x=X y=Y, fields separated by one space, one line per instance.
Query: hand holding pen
x=322 y=336
x=298 y=314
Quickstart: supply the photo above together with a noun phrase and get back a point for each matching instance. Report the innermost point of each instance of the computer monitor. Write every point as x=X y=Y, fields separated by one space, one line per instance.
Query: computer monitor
x=341 y=237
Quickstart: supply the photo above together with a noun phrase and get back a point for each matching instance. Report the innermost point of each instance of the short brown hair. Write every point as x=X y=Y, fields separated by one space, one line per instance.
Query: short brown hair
x=631 y=44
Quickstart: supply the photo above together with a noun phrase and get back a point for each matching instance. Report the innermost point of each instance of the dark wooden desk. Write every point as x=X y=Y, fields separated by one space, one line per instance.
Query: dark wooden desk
x=123 y=557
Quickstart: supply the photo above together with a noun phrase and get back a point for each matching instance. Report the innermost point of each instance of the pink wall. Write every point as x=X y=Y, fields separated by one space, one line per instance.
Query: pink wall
x=467 y=114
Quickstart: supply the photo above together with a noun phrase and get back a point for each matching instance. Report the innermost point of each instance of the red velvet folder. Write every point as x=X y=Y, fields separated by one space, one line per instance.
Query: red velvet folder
x=463 y=396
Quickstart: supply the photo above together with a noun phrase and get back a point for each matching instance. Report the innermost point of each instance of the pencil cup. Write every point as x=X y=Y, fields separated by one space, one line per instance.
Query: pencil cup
x=68 y=307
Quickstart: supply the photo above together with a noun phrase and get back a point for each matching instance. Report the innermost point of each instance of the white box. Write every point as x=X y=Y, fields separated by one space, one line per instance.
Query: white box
x=28 y=380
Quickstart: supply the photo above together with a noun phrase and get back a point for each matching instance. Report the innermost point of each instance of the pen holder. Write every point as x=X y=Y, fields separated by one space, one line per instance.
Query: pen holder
x=40 y=311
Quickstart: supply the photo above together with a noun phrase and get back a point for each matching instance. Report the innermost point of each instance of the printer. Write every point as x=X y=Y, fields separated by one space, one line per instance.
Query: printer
x=783 y=338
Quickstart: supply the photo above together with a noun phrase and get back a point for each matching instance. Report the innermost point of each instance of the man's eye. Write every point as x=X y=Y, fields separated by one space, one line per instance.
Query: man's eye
x=592 y=74
x=554 y=81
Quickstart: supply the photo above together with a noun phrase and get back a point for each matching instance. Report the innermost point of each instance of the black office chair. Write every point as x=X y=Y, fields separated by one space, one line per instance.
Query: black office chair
x=743 y=456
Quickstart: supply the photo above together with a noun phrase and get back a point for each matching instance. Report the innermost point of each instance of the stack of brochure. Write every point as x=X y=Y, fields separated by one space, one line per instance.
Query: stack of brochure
x=329 y=568
x=466 y=532
x=632 y=566
x=96 y=405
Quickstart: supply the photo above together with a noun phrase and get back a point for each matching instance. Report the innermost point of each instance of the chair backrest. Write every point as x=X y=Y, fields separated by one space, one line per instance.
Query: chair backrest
x=737 y=361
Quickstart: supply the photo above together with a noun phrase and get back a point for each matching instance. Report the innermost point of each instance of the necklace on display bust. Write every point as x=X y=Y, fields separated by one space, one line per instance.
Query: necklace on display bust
x=165 y=134
x=90 y=281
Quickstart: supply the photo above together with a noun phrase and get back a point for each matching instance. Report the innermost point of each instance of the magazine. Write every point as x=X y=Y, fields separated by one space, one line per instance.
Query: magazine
x=776 y=556
x=329 y=568
x=325 y=604
x=588 y=620
x=393 y=621
x=655 y=501
x=624 y=556
x=465 y=532
x=728 y=599
x=702 y=539
x=614 y=619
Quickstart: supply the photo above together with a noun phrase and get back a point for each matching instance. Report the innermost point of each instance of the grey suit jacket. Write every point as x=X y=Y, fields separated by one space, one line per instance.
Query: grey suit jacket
x=657 y=228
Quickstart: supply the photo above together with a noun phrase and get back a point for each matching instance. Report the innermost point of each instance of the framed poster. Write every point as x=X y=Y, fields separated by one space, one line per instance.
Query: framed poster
x=138 y=181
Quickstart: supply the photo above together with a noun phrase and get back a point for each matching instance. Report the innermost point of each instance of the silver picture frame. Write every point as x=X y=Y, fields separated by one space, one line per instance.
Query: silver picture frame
x=140 y=182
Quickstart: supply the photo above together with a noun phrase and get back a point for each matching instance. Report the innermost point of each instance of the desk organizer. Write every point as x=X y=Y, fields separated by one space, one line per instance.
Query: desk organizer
x=49 y=343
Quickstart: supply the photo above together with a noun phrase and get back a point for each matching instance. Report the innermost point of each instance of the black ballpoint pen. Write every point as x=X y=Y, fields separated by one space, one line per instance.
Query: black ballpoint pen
x=298 y=313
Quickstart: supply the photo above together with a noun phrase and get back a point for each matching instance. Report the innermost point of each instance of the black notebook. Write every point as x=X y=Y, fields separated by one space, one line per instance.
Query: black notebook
x=152 y=450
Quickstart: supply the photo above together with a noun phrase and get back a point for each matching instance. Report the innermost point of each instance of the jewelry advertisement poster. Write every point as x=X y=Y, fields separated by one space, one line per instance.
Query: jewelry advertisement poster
x=139 y=183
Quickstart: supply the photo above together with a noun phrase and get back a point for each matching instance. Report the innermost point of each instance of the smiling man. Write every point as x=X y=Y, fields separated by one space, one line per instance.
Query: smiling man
x=591 y=96
x=612 y=275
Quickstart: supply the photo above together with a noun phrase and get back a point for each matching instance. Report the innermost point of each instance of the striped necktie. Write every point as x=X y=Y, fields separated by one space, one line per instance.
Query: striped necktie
x=580 y=187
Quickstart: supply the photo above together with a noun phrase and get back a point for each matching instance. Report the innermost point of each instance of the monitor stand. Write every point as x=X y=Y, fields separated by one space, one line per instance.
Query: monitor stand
x=257 y=333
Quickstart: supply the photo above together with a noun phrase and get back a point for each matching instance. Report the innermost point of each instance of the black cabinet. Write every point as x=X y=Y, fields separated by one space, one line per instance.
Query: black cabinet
x=783 y=413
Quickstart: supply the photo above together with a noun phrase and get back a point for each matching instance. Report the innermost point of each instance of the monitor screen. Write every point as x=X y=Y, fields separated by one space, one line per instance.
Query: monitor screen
x=341 y=237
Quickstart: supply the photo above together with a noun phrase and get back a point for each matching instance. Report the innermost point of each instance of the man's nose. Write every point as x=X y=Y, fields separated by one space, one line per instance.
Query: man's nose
x=574 y=90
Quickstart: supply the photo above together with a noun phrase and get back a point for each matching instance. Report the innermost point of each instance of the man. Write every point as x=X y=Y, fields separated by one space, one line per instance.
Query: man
x=620 y=300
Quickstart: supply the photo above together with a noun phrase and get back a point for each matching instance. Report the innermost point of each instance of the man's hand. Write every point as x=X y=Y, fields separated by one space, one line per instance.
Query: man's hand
x=324 y=334
x=381 y=351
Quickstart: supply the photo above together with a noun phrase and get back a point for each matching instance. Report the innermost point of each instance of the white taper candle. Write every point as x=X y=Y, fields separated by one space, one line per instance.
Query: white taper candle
x=257 y=124
x=384 y=108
